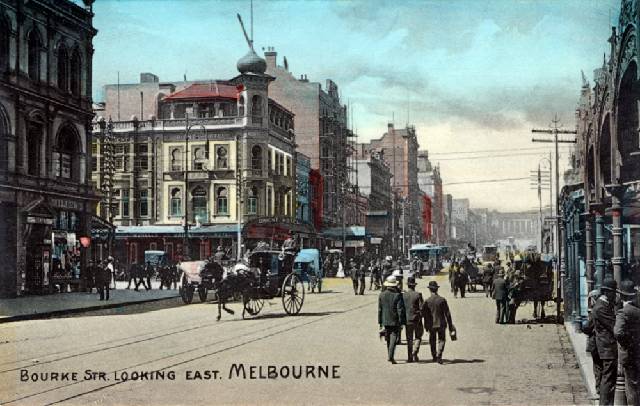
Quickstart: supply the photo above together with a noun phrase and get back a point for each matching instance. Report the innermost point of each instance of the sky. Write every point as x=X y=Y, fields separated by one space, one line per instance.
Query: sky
x=471 y=75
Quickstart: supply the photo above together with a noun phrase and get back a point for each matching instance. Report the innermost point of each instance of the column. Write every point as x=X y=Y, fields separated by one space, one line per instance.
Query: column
x=600 y=238
x=588 y=241
x=617 y=193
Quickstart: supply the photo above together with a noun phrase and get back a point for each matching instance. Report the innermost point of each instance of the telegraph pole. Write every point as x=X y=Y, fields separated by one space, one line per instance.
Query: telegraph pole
x=539 y=179
x=555 y=130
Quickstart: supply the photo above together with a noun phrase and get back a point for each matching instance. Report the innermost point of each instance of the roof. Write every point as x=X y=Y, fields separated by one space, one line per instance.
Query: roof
x=212 y=90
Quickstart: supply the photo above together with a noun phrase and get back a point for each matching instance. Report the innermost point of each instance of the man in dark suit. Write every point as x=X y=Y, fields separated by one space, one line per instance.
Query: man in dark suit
x=500 y=291
x=437 y=318
x=391 y=315
x=413 y=304
x=589 y=330
x=353 y=272
x=103 y=280
x=604 y=317
x=627 y=332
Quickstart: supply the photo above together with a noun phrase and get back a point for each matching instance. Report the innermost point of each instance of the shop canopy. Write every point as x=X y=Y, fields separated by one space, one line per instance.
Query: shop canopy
x=217 y=230
x=350 y=232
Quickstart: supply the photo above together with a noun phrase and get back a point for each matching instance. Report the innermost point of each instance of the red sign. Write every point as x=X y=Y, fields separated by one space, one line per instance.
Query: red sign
x=85 y=241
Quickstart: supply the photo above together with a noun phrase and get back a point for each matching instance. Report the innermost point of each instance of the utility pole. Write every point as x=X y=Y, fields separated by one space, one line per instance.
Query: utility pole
x=555 y=130
x=539 y=179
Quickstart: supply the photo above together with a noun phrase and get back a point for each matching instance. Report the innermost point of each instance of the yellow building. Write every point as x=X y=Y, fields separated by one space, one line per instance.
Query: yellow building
x=220 y=154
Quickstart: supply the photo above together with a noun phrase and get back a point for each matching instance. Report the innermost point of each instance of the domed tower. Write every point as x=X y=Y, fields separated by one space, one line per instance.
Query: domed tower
x=253 y=86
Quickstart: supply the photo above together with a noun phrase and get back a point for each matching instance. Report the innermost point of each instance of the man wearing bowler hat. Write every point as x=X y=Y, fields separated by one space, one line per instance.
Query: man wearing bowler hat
x=391 y=315
x=627 y=332
x=437 y=318
x=604 y=318
x=413 y=303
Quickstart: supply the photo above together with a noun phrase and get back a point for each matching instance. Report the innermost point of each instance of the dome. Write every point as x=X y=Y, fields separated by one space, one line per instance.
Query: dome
x=251 y=62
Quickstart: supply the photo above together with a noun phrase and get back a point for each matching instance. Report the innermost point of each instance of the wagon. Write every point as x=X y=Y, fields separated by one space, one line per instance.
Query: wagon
x=309 y=266
x=273 y=276
x=191 y=280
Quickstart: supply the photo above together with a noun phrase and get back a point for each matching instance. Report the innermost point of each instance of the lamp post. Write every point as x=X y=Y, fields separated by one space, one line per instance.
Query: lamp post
x=185 y=242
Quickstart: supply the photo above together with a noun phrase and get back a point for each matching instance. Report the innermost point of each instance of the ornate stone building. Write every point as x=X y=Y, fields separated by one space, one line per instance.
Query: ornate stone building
x=46 y=198
x=219 y=153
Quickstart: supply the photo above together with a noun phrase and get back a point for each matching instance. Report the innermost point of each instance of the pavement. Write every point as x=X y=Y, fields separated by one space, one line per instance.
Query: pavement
x=59 y=304
x=167 y=353
x=579 y=343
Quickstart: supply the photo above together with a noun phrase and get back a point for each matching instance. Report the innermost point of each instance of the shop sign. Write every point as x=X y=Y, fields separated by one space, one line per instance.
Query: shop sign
x=39 y=220
x=350 y=244
x=198 y=175
x=376 y=240
x=65 y=204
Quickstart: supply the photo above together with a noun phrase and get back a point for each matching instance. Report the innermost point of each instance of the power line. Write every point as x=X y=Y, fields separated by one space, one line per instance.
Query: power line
x=485 y=181
x=487 y=156
x=491 y=150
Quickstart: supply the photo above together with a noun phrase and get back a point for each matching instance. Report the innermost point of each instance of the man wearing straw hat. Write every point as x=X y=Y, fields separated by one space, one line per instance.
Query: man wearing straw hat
x=627 y=332
x=391 y=314
x=604 y=318
x=436 y=319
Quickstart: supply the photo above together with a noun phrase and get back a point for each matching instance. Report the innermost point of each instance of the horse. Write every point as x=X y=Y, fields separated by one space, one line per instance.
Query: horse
x=227 y=283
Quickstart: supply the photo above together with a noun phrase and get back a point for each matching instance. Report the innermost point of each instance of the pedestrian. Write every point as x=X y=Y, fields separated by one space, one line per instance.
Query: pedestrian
x=399 y=277
x=103 y=280
x=627 y=332
x=112 y=271
x=361 y=278
x=375 y=275
x=437 y=318
x=589 y=330
x=604 y=318
x=413 y=303
x=353 y=272
x=487 y=279
x=148 y=273
x=452 y=275
x=131 y=275
x=387 y=267
x=391 y=315
x=500 y=291
x=462 y=279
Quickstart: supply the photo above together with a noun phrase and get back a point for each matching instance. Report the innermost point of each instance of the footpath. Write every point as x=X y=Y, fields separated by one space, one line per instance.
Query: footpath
x=579 y=343
x=59 y=304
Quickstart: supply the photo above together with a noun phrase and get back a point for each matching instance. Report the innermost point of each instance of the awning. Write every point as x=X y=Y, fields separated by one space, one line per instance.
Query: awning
x=215 y=230
x=350 y=231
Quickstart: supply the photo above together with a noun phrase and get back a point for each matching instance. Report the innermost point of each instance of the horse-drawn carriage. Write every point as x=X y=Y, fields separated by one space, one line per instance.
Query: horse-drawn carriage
x=263 y=274
x=532 y=281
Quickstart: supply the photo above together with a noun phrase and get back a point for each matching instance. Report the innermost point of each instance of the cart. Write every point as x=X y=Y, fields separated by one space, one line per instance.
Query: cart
x=309 y=265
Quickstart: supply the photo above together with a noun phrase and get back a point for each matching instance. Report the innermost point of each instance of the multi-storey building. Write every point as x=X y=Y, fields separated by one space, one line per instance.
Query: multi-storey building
x=399 y=147
x=430 y=183
x=321 y=131
x=219 y=155
x=46 y=199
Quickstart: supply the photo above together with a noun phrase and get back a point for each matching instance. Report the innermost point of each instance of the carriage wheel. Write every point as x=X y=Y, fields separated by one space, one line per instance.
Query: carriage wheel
x=292 y=294
x=252 y=305
x=202 y=293
x=186 y=291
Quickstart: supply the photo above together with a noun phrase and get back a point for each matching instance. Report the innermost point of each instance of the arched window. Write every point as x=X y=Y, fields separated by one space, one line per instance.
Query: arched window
x=76 y=73
x=199 y=158
x=241 y=106
x=199 y=201
x=256 y=105
x=5 y=38
x=63 y=68
x=5 y=130
x=222 y=158
x=256 y=158
x=252 y=201
x=34 y=44
x=176 y=159
x=175 y=203
x=222 y=201
x=66 y=154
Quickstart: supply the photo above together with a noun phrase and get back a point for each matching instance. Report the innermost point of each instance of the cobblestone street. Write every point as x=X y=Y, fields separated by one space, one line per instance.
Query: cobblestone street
x=489 y=364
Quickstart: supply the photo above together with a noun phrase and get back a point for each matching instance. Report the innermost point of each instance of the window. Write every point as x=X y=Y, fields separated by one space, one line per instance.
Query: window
x=256 y=105
x=269 y=202
x=288 y=168
x=144 y=203
x=175 y=203
x=222 y=201
x=199 y=201
x=125 y=202
x=252 y=201
x=66 y=154
x=63 y=68
x=270 y=161
x=221 y=158
x=141 y=159
x=256 y=158
x=199 y=158
x=176 y=159
x=34 y=45
x=241 y=106
x=280 y=164
x=76 y=73
x=5 y=38
x=34 y=139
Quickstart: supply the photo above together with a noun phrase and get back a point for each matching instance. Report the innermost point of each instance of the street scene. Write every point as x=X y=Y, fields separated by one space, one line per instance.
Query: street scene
x=330 y=202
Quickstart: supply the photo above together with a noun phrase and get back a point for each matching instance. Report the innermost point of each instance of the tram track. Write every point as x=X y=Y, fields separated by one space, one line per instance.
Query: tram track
x=235 y=341
x=113 y=344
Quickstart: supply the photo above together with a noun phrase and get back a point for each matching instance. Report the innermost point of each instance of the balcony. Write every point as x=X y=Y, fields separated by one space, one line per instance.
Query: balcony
x=172 y=124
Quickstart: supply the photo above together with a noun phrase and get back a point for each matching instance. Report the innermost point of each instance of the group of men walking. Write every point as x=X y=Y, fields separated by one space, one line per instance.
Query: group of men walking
x=613 y=328
x=397 y=309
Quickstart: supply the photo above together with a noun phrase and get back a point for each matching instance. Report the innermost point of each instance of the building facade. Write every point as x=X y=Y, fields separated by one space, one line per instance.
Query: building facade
x=430 y=183
x=321 y=131
x=219 y=155
x=46 y=198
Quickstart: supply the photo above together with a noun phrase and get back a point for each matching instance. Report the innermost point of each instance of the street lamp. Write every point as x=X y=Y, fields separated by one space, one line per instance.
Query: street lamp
x=185 y=243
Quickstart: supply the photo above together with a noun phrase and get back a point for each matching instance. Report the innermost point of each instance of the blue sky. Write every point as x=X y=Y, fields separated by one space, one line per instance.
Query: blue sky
x=470 y=75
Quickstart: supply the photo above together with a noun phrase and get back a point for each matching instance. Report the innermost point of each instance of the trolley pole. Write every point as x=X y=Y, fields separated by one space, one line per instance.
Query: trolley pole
x=555 y=130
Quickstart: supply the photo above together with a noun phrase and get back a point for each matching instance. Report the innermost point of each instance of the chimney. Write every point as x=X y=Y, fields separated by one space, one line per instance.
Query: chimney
x=271 y=57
